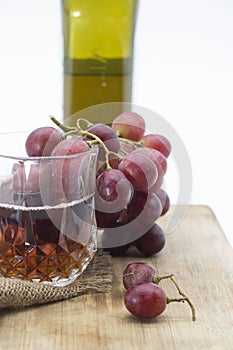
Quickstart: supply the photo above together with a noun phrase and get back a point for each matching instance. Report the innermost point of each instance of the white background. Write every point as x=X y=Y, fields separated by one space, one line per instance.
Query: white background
x=183 y=71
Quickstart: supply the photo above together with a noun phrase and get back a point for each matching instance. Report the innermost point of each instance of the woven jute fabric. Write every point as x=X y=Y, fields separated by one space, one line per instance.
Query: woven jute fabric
x=97 y=277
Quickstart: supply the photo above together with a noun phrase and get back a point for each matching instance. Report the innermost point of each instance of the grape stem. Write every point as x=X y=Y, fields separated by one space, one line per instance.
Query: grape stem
x=93 y=142
x=71 y=132
x=62 y=126
x=135 y=144
x=78 y=130
x=123 y=151
x=157 y=279
x=88 y=123
x=107 y=152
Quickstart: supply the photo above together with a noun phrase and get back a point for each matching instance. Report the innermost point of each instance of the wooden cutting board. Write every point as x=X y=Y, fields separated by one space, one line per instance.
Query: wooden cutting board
x=202 y=261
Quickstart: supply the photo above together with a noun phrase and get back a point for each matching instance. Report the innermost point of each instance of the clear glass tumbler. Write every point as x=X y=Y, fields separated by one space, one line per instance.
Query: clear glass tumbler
x=47 y=220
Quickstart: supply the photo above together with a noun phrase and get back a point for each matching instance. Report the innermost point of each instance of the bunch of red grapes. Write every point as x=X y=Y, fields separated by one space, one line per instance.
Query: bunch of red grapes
x=130 y=172
x=129 y=197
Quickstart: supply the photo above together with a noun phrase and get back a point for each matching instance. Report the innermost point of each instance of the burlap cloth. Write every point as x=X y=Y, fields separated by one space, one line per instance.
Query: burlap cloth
x=97 y=277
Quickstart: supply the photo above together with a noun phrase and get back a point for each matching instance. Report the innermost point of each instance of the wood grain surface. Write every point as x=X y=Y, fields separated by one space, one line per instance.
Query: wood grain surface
x=202 y=261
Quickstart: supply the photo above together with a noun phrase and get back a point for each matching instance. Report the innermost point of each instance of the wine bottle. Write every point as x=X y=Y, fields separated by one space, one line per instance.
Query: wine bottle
x=98 y=53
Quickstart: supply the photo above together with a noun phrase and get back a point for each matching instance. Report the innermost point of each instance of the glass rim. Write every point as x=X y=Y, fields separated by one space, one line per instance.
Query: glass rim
x=93 y=150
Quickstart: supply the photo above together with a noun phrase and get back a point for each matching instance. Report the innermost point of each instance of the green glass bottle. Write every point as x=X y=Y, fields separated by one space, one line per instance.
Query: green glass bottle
x=98 y=53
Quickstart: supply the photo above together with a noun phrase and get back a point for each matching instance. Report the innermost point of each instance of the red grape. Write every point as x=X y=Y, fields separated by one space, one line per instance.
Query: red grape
x=165 y=200
x=158 y=142
x=118 y=251
x=123 y=218
x=152 y=241
x=35 y=187
x=38 y=177
x=33 y=181
x=107 y=135
x=139 y=170
x=133 y=221
x=18 y=177
x=157 y=184
x=157 y=157
x=148 y=206
x=113 y=162
x=159 y=161
x=104 y=219
x=166 y=206
x=41 y=141
x=113 y=191
x=129 y=125
x=146 y=300
x=137 y=273
x=65 y=171
x=126 y=147
x=35 y=200
x=69 y=146
x=162 y=195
